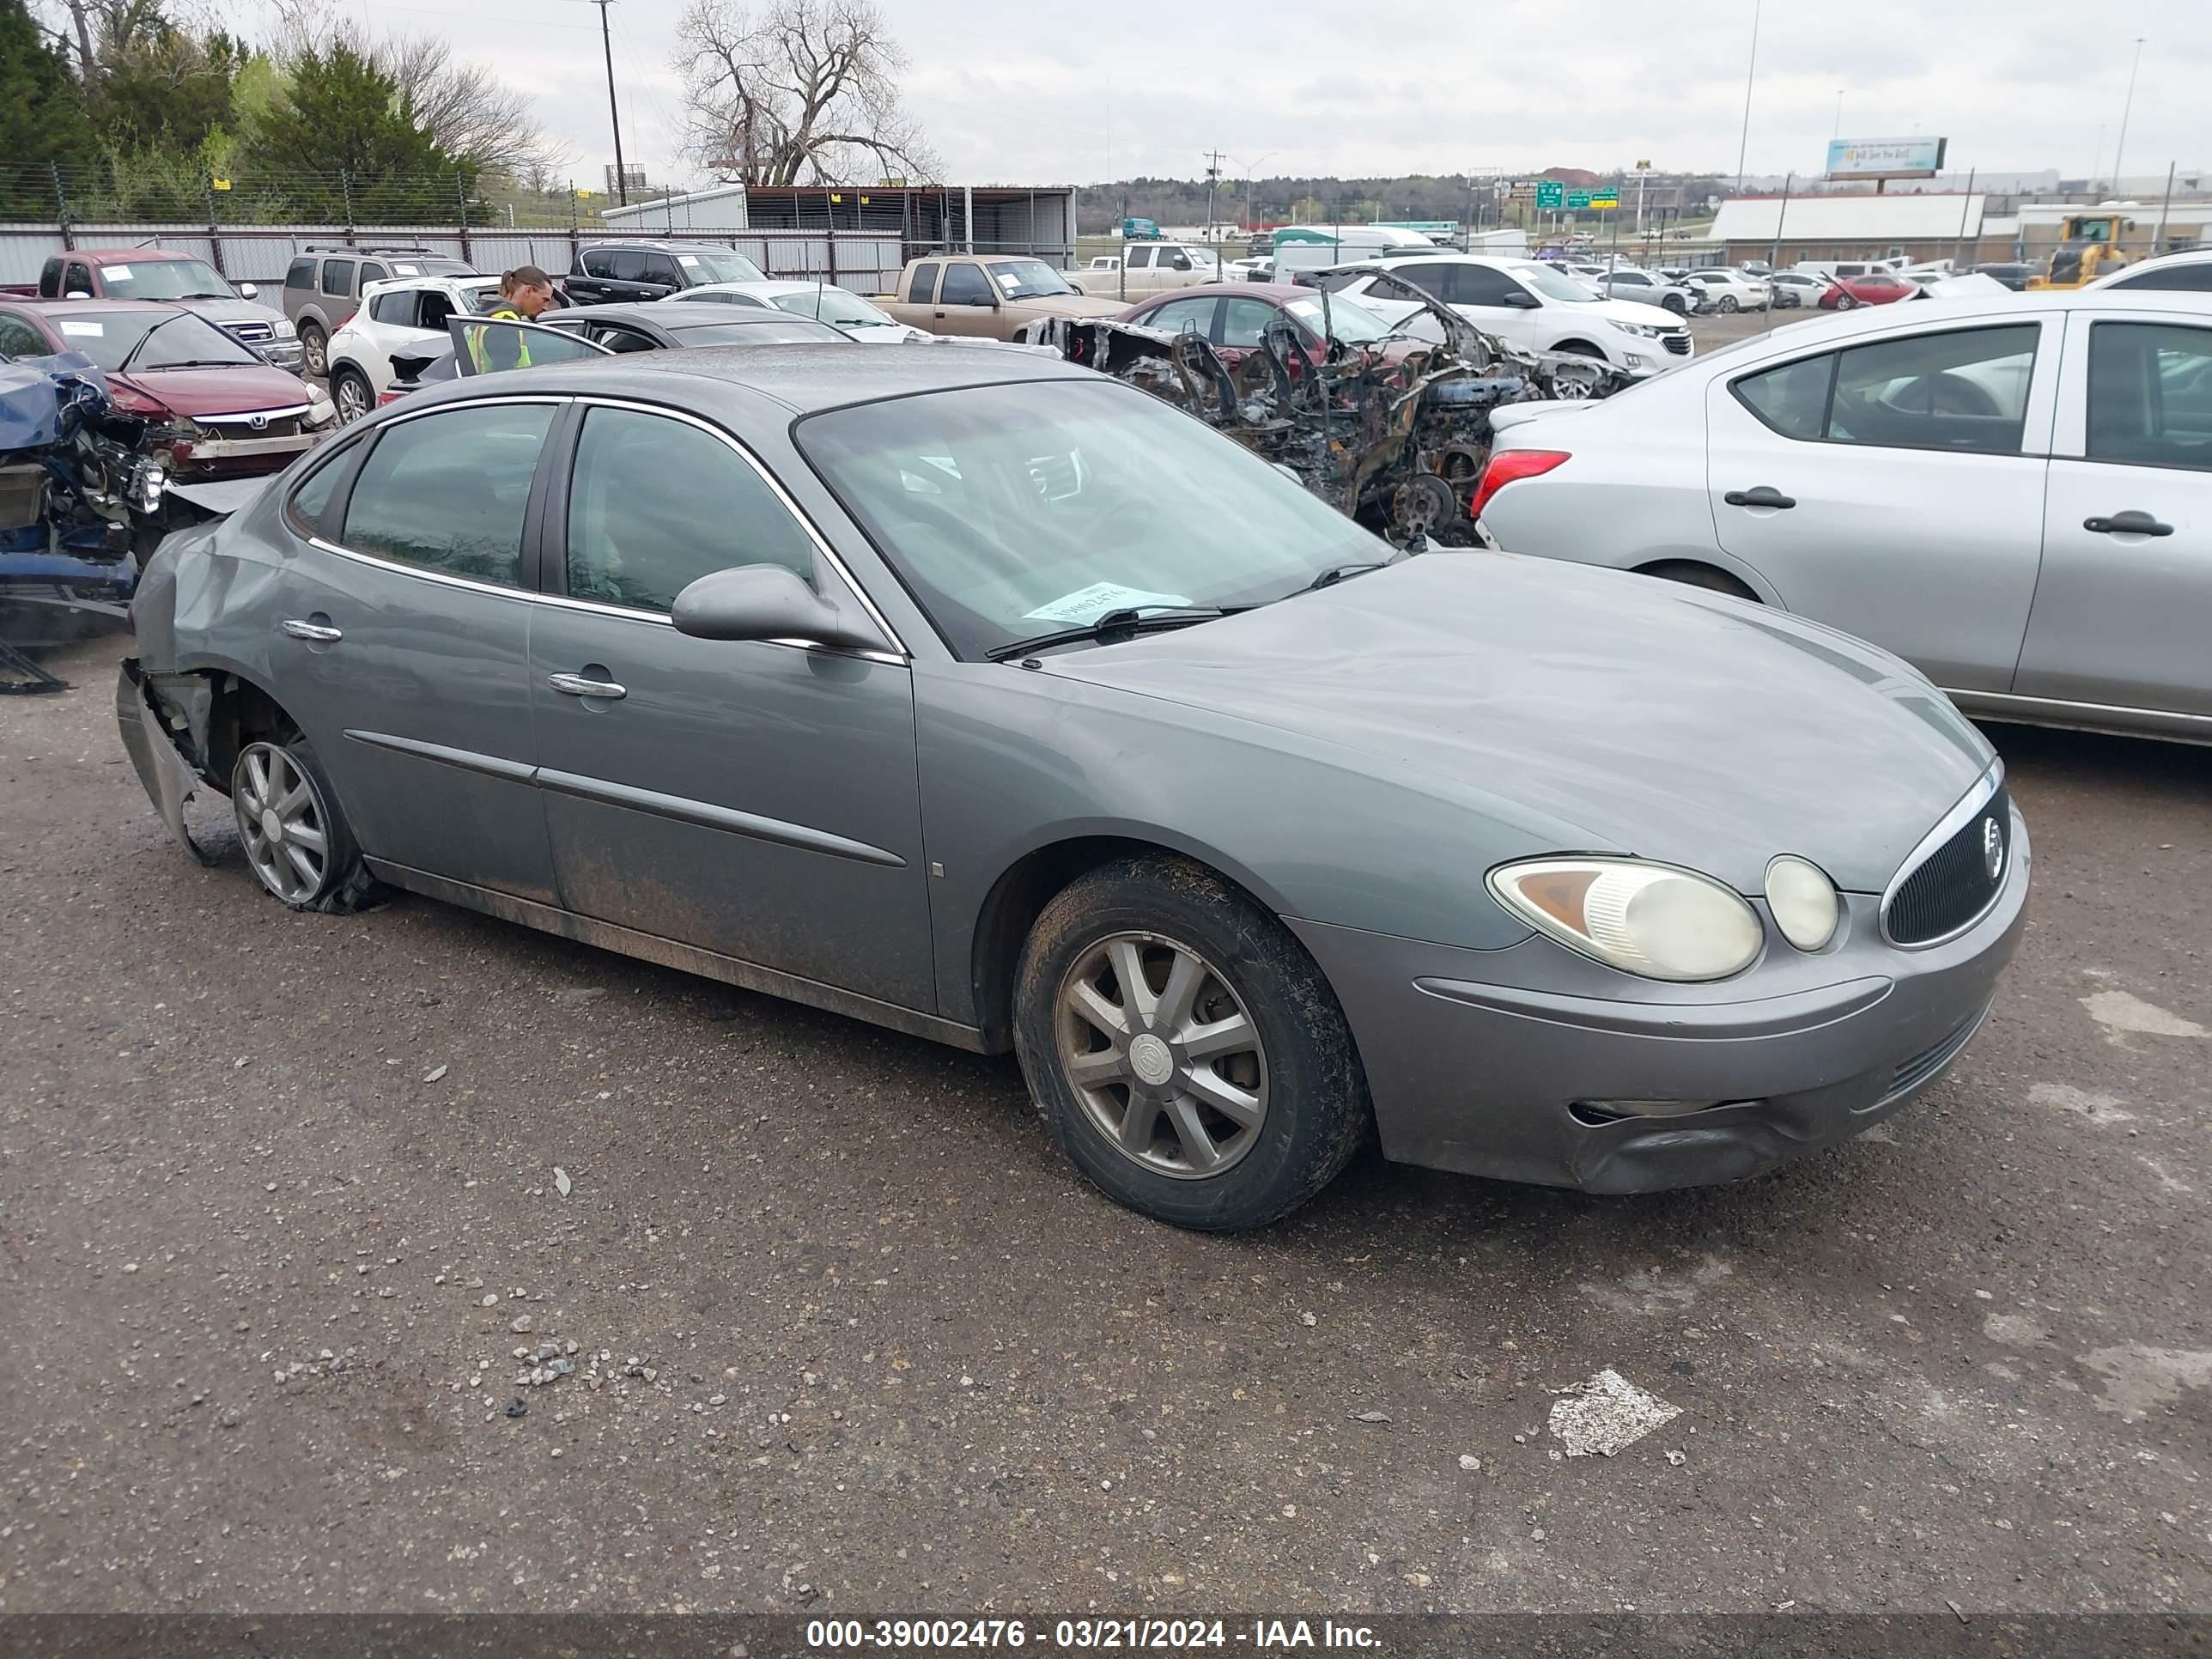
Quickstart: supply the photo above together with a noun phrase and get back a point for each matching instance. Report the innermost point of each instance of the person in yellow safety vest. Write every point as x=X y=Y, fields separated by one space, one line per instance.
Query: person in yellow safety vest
x=523 y=293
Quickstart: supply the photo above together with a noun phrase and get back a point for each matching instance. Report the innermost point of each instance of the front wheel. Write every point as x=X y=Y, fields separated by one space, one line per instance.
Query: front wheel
x=1184 y=1049
x=298 y=843
x=1845 y=302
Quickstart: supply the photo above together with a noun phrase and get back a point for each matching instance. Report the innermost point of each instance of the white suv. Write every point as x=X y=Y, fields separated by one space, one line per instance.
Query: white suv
x=1523 y=302
x=407 y=314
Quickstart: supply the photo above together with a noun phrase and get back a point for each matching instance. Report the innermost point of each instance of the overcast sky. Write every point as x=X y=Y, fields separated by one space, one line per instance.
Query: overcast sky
x=1022 y=92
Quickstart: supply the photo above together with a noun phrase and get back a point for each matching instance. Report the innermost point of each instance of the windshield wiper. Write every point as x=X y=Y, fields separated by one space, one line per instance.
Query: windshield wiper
x=1337 y=573
x=131 y=357
x=200 y=362
x=1116 y=624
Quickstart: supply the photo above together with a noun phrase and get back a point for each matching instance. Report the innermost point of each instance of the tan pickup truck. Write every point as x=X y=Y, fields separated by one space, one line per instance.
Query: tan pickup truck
x=986 y=297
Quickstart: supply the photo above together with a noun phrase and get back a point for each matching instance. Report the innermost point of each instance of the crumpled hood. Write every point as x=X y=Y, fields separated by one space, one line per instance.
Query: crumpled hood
x=1605 y=711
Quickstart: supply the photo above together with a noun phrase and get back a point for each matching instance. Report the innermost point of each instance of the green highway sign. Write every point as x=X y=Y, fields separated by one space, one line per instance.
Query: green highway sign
x=1550 y=193
x=1605 y=198
x=1577 y=200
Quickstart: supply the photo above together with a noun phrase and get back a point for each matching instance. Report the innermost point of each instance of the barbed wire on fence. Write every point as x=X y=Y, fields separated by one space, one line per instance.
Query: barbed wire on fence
x=152 y=190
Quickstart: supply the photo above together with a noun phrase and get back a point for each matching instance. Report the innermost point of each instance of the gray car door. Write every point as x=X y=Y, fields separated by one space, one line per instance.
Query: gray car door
x=405 y=647
x=1894 y=488
x=2124 y=607
x=754 y=799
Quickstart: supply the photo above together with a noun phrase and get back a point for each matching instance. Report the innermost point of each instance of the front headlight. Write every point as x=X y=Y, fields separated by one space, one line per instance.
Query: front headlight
x=284 y=329
x=1806 y=905
x=1641 y=330
x=321 y=411
x=1650 y=920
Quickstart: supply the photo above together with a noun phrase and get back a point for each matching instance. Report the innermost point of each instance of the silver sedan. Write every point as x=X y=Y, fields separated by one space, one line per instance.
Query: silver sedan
x=989 y=698
x=2014 y=493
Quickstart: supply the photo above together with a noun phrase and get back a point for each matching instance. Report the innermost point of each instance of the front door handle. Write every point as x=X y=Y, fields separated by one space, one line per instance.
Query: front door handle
x=2130 y=523
x=313 y=633
x=576 y=685
x=1762 y=496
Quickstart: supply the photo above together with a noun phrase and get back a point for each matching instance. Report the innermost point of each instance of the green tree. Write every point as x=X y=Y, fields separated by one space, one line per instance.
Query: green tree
x=42 y=115
x=344 y=137
x=163 y=90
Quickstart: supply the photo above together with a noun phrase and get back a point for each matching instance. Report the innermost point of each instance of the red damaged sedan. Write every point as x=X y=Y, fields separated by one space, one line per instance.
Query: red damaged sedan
x=1874 y=289
x=218 y=410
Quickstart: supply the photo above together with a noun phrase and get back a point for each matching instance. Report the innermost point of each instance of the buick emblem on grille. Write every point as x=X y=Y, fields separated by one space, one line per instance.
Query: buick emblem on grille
x=1993 y=852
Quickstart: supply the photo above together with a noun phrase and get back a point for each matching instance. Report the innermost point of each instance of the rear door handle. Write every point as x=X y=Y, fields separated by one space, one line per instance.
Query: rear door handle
x=1762 y=496
x=313 y=633
x=576 y=685
x=2130 y=523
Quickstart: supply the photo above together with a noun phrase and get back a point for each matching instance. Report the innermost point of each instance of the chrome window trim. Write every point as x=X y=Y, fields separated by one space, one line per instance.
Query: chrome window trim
x=1949 y=825
x=799 y=515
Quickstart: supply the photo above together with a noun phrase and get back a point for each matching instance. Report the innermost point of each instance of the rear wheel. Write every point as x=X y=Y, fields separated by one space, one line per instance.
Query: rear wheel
x=315 y=349
x=1185 y=1051
x=1846 y=302
x=1690 y=574
x=1727 y=304
x=298 y=843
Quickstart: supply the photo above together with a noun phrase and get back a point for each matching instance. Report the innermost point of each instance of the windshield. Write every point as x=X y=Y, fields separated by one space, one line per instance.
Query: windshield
x=164 y=279
x=1026 y=279
x=834 y=305
x=1552 y=285
x=481 y=301
x=1011 y=511
x=177 y=338
x=1348 y=320
x=799 y=331
x=716 y=265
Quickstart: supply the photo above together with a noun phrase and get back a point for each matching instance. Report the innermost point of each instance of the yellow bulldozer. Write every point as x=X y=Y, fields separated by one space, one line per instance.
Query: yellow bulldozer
x=2090 y=248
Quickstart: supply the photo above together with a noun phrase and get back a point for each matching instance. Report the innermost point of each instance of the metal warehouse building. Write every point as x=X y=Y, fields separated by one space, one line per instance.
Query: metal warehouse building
x=1789 y=229
x=922 y=218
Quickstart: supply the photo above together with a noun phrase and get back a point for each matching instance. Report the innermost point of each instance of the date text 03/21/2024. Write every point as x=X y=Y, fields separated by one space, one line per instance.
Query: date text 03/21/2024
x=1264 y=1634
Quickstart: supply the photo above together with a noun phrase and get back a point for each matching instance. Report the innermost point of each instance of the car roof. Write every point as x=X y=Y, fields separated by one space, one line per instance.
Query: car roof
x=123 y=256
x=432 y=279
x=89 y=307
x=1279 y=292
x=674 y=313
x=803 y=379
x=661 y=245
x=766 y=286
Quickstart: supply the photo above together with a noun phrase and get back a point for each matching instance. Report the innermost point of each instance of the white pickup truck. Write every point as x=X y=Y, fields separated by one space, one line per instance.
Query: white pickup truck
x=1144 y=269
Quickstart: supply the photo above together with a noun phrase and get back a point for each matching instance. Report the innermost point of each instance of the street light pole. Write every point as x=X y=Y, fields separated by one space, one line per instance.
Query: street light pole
x=1743 y=147
x=614 y=114
x=2126 y=104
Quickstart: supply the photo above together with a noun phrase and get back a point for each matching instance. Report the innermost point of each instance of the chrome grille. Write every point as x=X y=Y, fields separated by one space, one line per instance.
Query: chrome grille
x=1951 y=888
x=252 y=333
x=1679 y=344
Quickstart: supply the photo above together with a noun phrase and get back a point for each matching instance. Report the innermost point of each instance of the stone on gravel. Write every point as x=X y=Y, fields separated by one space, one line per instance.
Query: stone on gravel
x=436 y=1073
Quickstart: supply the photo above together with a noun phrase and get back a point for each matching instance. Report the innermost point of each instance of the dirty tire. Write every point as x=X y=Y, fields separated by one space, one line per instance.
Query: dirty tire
x=1676 y=304
x=315 y=350
x=1316 y=1112
x=1692 y=574
x=350 y=391
x=345 y=885
x=1727 y=304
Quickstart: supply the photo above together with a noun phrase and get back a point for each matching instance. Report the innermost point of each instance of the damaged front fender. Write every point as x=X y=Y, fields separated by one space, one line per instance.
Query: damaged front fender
x=144 y=714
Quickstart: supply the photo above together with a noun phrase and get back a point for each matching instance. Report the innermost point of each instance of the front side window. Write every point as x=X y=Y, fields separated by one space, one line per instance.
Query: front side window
x=1483 y=285
x=19 y=339
x=626 y=264
x=312 y=499
x=1243 y=321
x=79 y=281
x=661 y=269
x=373 y=273
x=1013 y=510
x=338 y=276
x=1346 y=320
x=1184 y=316
x=1138 y=259
x=964 y=285
x=1966 y=390
x=446 y=492
x=633 y=542
x=2150 y=394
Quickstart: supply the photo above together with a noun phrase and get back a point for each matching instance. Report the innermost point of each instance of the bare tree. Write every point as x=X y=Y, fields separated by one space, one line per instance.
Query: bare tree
x=796 y=92
x=465 y=107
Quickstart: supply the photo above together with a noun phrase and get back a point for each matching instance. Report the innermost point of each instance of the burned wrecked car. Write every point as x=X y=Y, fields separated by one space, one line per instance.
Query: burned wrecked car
x=1393 y=433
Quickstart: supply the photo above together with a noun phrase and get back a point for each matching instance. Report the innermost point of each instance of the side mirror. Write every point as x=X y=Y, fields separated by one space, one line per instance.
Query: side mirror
x=990 y=300
x=76 y=294
x=1521 y=300
x=249 y=290
x=767 y=602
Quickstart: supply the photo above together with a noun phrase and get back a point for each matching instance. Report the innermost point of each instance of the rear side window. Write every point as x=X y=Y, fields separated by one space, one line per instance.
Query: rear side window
x=300 y=274
x=1138 y=259
x=446 y=492
x=923 y=287
x=1966 y=390
x=634 y=541
x=399 y=308
x=2150 y=394
x=338 y=276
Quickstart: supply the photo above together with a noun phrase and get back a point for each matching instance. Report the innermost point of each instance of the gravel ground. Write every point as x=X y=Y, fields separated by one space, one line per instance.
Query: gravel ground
x=281 y=1197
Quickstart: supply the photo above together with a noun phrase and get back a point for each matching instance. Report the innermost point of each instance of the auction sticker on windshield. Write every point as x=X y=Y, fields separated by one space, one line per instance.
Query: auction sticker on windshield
x=689 y=261
x=118 y=273
x=94 y=330
x=1087 y=605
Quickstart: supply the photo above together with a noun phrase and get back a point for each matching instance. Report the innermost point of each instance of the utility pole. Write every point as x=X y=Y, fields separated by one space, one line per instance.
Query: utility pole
x=1743 y=146
x=614 y=114
x=1213 y=173
x=2127 y=104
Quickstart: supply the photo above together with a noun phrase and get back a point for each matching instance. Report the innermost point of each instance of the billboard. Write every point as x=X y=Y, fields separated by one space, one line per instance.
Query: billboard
x=1885 y=158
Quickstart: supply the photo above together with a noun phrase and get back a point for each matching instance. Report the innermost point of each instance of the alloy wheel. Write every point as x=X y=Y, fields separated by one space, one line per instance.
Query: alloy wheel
x=282 y=822
x=312 y=349
x=352 y=399
x=1162 y=1054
